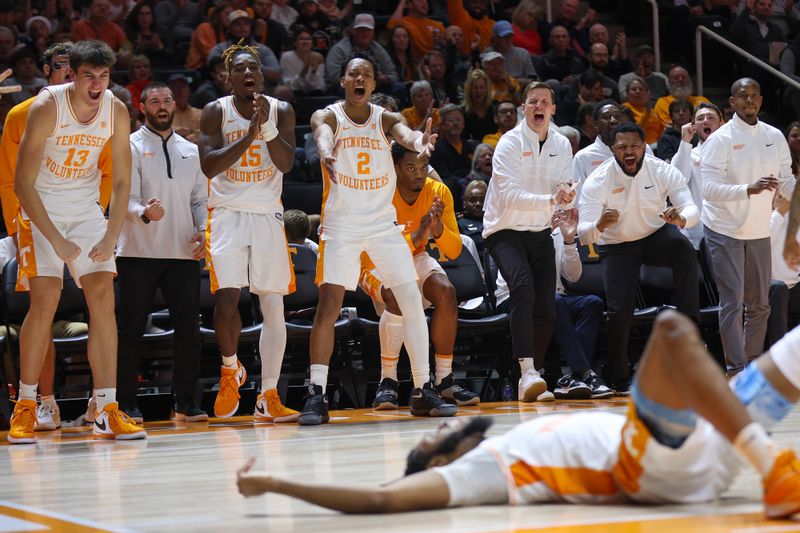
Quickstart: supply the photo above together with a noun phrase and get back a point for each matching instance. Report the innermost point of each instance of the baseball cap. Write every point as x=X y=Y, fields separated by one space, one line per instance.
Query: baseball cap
x=364 y=20
x=502 y=28
x=491 y=56
x=179 y=77
x=644 y=49
x=238 y=14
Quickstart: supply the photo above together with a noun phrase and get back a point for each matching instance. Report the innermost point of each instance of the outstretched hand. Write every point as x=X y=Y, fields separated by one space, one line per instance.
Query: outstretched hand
x=329 y=161
x=428 y=139
x=250 y=484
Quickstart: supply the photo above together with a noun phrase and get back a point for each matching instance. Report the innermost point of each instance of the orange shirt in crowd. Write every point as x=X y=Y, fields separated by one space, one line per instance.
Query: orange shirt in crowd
x=647 y=119
x=460 y=17
x=421 y=32
x=109 y=33
x=204 y=38
x=415 y=120
x=662 y=107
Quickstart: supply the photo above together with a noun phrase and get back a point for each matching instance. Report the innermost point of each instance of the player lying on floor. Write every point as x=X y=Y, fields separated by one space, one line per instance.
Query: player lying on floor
x=677 y=444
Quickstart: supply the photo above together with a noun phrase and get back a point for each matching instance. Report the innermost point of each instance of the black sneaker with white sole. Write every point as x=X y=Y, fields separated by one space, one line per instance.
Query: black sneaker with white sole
x=386 y=395
x=427 y=402
x=599 y=388
x=315 y=408
x=189 y=413
x=568 y=387
x=455 y=393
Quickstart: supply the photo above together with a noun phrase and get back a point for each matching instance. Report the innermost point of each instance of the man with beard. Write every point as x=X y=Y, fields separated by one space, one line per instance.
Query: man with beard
x=161 y=242
x=470 y=16
x=623 y=208
x=645 y=60
x=680 y=86
x=680 y=442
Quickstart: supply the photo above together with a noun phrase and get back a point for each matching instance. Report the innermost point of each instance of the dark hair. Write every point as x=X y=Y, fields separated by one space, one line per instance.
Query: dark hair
x=450 y=108
x=21 y=53
x=132 y=22
x=296 y=224
x=602 y=104
x=713 y=107
x=297 y=29
x=359 y=55
x=213 y=62
x=418 y=460
x=586 y=110
x=92 y=53
x=678 y=104
x=384 y=100
x=152 y=87
x=590 y=77
x=538 y=85
x=234 y=50
x=398 y=151
x=789 y=128
x=627 y=127
x=215 y=18
x=57 y=49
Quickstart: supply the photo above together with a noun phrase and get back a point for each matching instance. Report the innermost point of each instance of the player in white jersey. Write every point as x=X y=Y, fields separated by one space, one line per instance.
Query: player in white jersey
x=246 y=145
x=358 y=215
x=662 y=451
x=61 y=222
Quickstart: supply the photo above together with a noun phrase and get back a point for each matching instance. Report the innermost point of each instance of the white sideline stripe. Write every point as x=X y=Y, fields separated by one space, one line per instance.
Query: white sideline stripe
x=62 y=517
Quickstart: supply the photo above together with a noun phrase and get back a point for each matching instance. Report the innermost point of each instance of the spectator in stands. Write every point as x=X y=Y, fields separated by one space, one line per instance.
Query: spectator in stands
x=525 y=27
x=644 y=61
x=124 y=96
x=324 y=29
x=399 y=49
x=39 y=35
x=8 y=43
x=793 y=138
x=680 y=111
x=268 y=31
x=240 y=26
x=119 y=9
x=23 y=64
x=140 y=27
x=99 y=26
x=284 y=13
x=452 y=158
x=742 y=164
x=572 y=135
x=619 y=63
x=159 y=247
x=590 y=89
x=187 y=118
x=504 y=87
x=560 y=62
x=642 y=108
x=458 y=64
x=518 y=60
x=598 y=60
x=426 y=34
x=634 y=226
x=176 y=20
x=784 y=290
x=471 y=221
x=481 y=165
x=577 y=28
x=478 y=106
x=212 y=88
x=586 y=126
x=298 y=229
x=362 y=40
x=67 y=16
x=755 y=32
x=680 y=86
x=303 y=70
x=208 y=35
x=421 y=107
x=471 y=17
x=505 y=116
x=139 y=75
x=433 y=69
x=333 y=12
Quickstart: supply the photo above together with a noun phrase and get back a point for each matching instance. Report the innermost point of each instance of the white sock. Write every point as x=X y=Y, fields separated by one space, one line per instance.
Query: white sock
x=390 y=331
x=525 y=364
x=27 y=392
x=389 y=367
x=272 y=342
x=444 y=367
x=105 y=397
x=409 y=300
x=229 y=361
x=757 y=447
x=319 y=376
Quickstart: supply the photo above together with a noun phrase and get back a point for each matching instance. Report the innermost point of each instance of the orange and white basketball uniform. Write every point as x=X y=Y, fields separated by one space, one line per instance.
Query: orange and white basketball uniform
x=594 y=457
x=357 y=210
x=245 y=240
x=409 y=216
x=68 y=184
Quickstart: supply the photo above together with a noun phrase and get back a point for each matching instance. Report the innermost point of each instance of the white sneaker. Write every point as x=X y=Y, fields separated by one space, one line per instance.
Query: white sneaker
x=531 y=386
x=546 y=396
x=91 y=410
x=48 y=416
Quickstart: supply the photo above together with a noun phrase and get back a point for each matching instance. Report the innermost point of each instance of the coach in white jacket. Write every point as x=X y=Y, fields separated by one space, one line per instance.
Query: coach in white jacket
x=530 y=162
x=623 y=208
x=743 y=163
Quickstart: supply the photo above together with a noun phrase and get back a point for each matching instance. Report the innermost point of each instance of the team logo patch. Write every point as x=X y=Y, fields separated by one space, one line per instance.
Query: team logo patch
x=618 y=190
x=148 y=154
x=738 y=146
x=103 y=124
x=597 y=162
x=279 y=216
x=527 y=154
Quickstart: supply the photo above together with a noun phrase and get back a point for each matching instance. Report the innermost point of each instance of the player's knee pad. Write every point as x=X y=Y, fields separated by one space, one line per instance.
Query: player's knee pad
x=670 y=427
x=765 y=404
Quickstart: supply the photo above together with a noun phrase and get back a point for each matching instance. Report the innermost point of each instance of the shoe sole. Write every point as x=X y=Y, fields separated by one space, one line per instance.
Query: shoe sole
x=127 y=436
x=546 y=399
x=228 y=415
x=48 y=428
x=312 y=420
x=257 y=419
x=602 y=395
x=472 y=401
x=385 y=406
x=21 y=440
x=436 y=412
x=531 y=394
x=196 y=418
x=778 y=511
x=573 y=394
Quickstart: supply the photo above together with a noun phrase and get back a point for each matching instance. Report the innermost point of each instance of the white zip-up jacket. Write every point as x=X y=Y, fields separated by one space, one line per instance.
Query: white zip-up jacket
x=588 y=159
x=639 y=199
x=780 y=270
x=170 y=171
x=687 y=160
x=735 y=156
x=524 y=178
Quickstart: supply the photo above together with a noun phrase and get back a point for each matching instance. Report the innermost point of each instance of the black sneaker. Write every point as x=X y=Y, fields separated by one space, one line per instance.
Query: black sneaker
x=427 y=402
x=450 y=390
x=134 y=412
x=190 y=413
x=621 y=388
x=386 y=395
x=568 y=387
x=315 y=408
x=599 y=388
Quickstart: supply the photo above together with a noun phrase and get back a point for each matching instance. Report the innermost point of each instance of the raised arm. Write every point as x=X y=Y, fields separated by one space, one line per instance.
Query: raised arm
x=323 y=126
x=418 y=141
x=214 y=159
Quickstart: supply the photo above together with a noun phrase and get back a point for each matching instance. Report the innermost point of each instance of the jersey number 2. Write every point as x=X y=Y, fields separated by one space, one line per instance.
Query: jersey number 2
x=363 y=163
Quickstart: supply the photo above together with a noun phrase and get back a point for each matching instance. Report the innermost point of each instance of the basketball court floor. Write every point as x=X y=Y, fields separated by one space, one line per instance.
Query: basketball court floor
x=182 y=478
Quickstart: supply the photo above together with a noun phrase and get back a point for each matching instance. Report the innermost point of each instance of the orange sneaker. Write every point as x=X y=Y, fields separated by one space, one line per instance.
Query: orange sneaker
x=111 y=423
x=23 y=420
x=782 y=486
x=270 y=409
x=227 y=401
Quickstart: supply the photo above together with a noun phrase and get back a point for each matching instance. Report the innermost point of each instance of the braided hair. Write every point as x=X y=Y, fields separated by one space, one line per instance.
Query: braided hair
x=240 y=47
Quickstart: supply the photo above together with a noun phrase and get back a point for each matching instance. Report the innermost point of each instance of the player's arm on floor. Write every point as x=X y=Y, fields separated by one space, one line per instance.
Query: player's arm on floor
x=214 y=157
x=425 y=490
x=281 y=148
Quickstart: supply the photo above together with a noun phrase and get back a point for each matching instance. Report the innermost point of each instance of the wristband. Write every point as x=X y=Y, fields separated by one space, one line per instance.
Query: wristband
x=268 y=131
x=418 y=146
x=145 y=219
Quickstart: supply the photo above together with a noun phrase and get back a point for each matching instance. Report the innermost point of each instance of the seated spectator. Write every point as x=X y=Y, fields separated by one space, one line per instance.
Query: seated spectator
x=680 y=112
x=187 y=118
x=755 y=32
x=39 y=34
x=283 y=13
x=793 y=138
x=433 y=69
x=124 y=96
x=426 y=34
x=453 y=154
x=267 y=31
x=619 y=63
x=561 y=61
x=140 y=27
x=598 y=60
x=471 y=17
x=644 y=61
x=640 y=105
x=212 y=88
x=590 y=89
x=207 y=35
x=176 y=21
x=572 y=135
x=504 y=86
x=478 y=107
x=23 y=65
x=518 y=60
x=421 y=107
x=240 y=26
x=680 y=86
x=506 y=118
x=66 y=16
x=303 y=70
x=525 y=26
x=140 y=76
x=577 y=28
x=298 y=229
x=458 y=64
x=324 y=30
x=790 y=65
x=99 y=26
x=333 y=12
x=586 y=126
x=399 y=49
x=481 y=167
x=8 y=43
x=471 y=221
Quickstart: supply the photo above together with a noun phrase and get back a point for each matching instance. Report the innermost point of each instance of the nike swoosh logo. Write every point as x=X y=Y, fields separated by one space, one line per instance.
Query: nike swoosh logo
x=650 y=187
x=101 y=427
x=553 y=155
x=184 y=156
x=65 y=125
x=101 y=395
x=260 y=409
x=770 y=144
x=231 y=120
